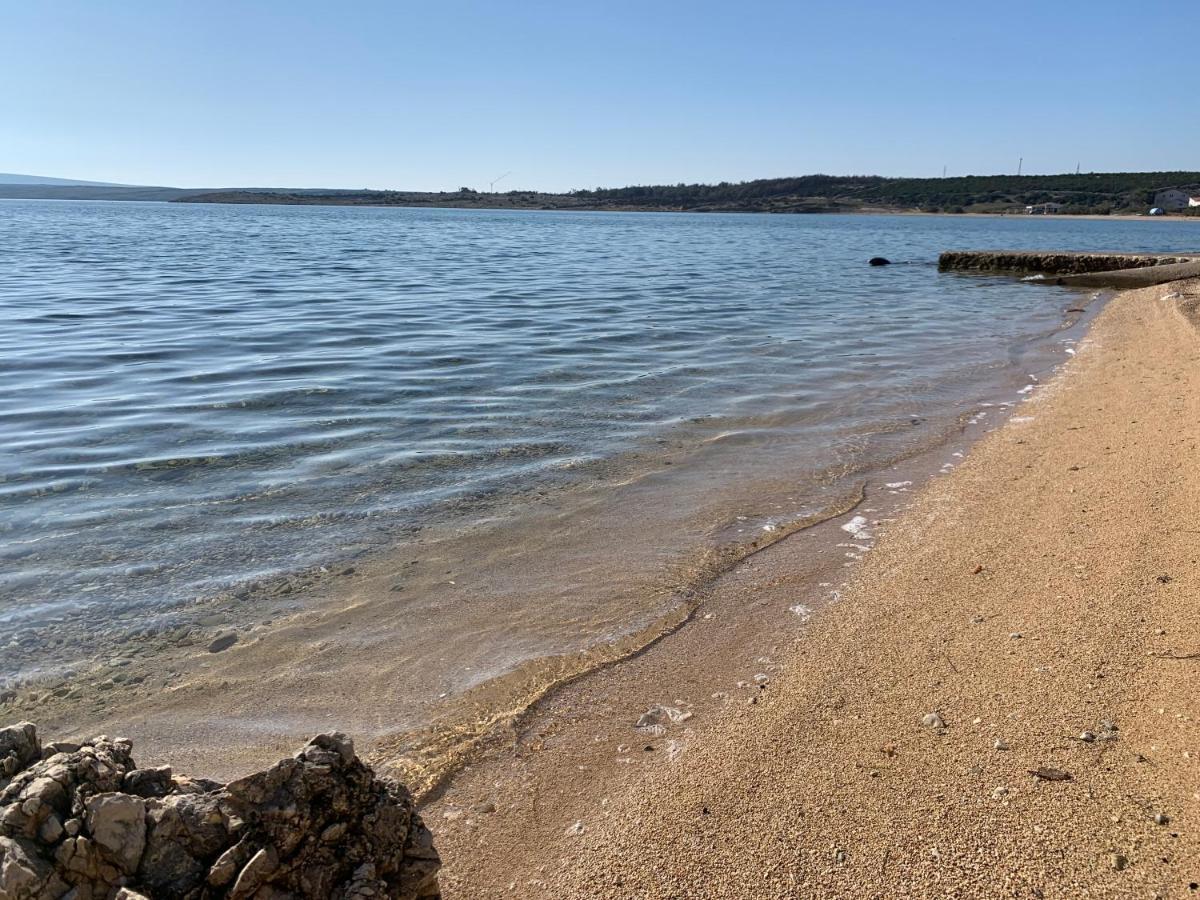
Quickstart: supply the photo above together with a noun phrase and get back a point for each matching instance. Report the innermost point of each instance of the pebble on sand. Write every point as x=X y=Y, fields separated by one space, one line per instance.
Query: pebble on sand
x=224 y=642
x=933 y=720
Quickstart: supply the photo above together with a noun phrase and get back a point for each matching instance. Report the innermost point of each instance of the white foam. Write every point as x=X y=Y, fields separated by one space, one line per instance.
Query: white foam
x=896 y=485
x=804 y=612
x=857 y=527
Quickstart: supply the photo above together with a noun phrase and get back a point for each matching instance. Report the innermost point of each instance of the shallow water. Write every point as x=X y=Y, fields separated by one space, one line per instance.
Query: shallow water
x=194 y=397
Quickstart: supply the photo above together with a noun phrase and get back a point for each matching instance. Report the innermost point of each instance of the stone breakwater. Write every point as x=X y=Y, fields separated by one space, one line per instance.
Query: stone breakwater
x=1055 y=262
x=83 y=822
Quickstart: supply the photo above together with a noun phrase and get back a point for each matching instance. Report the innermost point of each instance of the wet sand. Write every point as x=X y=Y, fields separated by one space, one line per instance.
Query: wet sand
x=1033 y=611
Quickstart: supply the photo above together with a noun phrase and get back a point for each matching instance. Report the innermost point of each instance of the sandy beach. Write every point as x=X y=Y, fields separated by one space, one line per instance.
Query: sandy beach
x=1001 y=702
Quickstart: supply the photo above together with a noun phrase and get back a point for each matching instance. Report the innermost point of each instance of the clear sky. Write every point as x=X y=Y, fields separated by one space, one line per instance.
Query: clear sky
x=443 y=93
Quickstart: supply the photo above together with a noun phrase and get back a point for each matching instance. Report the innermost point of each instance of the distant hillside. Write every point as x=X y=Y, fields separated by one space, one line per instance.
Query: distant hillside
x=87 y=192
x=33 y=187
x=1095 y=193
x=11 y=178
x=1091 y=193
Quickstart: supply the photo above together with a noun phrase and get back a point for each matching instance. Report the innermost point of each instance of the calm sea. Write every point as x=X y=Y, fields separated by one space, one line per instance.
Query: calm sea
x=194 y=397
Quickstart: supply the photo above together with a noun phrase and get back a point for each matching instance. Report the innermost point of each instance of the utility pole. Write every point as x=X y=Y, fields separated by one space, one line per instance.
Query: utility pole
x=1077 y=168
x=943 y=171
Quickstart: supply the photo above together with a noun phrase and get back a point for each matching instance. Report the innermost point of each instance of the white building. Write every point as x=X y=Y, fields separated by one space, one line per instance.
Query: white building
x=1193 y=201
x=1172 y=198
x=1043 y=209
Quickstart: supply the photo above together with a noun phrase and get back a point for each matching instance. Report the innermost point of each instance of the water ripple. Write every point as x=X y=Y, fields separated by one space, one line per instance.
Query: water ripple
x=190 y=395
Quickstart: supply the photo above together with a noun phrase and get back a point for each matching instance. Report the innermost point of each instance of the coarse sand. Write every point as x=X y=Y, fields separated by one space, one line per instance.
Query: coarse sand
x=1037 y=610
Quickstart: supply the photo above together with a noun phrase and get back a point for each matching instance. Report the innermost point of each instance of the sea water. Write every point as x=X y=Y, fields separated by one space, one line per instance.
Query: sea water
x=199 y=397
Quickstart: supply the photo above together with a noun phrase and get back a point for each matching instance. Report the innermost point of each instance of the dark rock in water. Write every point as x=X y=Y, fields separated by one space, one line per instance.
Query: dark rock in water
x=879 y=261
x=91 y=824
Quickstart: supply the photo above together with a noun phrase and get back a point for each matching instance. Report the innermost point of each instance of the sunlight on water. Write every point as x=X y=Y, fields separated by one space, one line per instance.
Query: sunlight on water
x=195 y=396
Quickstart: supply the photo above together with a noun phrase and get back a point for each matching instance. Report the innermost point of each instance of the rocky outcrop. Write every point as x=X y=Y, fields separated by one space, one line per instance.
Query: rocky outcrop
x=83 y=822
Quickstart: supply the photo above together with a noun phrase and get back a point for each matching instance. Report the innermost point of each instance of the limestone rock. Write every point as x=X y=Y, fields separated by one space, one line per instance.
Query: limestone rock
x=117 y=823
x=18 y=748
x=83 y=821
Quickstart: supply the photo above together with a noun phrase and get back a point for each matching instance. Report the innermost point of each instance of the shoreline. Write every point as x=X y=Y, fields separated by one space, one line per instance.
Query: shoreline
x=867 y=211
x=223 y=714
x=1038 y=594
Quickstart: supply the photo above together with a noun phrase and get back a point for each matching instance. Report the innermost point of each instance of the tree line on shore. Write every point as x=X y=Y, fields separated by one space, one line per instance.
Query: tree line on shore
x=1092 y=193
x=1097 y=193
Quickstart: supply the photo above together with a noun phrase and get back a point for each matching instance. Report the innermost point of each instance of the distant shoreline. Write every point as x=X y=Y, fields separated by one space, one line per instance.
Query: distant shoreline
x=569 y=204
x=255 y=200
x=1101 y=194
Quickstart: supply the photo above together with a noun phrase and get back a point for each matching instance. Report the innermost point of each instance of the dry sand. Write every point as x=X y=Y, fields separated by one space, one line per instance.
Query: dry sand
x=1046 y=587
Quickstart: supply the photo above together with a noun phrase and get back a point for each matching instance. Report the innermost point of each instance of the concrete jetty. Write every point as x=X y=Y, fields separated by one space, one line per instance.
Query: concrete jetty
x=1116 y=270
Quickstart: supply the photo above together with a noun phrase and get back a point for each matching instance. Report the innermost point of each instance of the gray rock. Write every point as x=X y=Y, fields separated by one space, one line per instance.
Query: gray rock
x=149 y=782
x=25 y=874
x=88 y=823
x=933 y=720
x=224 y=642
x=18 y=748
x=117 y=823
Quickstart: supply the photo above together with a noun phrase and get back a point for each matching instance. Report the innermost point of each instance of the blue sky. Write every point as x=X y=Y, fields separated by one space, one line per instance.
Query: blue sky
x=437 y=94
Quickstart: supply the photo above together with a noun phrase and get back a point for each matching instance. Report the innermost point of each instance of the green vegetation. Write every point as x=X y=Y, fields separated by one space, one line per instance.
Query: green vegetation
x=1094 y=193
x=1101 y=193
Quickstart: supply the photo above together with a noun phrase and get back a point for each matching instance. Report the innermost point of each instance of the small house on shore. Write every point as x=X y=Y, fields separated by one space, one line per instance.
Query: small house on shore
x=1043 y=209
x=1172 y=199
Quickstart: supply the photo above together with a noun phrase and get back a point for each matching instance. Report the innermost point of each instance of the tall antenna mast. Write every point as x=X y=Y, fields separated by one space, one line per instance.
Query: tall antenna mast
x=1020 y=163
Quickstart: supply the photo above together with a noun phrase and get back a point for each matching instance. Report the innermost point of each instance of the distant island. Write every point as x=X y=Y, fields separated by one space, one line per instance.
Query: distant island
x=1074 y=194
